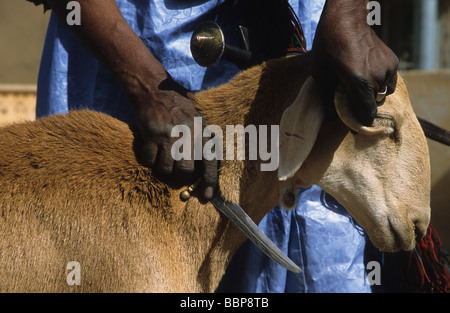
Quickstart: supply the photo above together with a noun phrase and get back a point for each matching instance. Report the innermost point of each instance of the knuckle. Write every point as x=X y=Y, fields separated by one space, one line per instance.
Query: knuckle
x=165 y=168
x=210 y=176
x=186 y=167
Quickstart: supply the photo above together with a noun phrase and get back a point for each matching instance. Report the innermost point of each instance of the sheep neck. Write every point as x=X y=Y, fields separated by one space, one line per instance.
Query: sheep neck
x=253 y=98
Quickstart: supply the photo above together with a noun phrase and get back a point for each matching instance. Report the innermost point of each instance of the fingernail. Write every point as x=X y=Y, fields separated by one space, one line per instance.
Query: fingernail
x=209 y=192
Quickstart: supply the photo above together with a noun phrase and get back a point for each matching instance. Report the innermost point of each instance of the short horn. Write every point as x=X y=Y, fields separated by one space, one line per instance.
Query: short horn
x=346 y=115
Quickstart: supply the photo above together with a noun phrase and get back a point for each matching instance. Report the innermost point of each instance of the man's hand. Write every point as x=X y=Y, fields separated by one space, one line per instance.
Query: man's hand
x=167 y=106
x=158 y=101
x=347 y=51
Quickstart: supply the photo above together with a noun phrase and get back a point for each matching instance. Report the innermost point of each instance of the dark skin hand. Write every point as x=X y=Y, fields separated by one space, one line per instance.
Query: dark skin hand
x=347 y=51
x=159 y=102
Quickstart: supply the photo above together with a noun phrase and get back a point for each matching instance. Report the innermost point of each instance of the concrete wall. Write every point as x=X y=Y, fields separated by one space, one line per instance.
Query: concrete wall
x=22 y=33
x=430 y=97
x=17 y=103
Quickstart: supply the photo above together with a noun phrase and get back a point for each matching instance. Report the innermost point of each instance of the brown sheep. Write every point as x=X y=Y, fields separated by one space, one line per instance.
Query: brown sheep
x=72 y=189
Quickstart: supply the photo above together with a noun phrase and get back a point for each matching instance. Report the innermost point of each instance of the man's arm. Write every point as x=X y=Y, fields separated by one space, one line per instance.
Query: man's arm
x=157 y=100
x=347 y=51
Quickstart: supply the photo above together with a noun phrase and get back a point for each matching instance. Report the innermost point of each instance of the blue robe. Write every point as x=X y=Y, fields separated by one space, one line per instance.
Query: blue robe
x=319 y=235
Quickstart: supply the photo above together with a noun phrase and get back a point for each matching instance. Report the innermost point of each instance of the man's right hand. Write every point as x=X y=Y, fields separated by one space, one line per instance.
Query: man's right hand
x=168 y=106
x=158 y=101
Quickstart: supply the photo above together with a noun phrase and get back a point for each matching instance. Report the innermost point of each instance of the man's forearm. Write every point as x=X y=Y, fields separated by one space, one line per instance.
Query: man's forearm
x=105 y=33
x=346 y=22
x=355 y=6
x=350 y=13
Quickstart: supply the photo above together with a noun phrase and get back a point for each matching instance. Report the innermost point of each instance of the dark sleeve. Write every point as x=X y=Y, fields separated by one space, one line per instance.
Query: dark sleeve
x=39 y=2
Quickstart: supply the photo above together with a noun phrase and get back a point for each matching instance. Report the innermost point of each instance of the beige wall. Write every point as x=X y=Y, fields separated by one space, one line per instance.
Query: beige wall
x=430 y=97
x=22 y=33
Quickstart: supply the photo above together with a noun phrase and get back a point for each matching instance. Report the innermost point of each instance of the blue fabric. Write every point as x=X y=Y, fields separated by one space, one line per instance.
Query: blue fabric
x=71 y=78
x=308 y=12
x=319 y=235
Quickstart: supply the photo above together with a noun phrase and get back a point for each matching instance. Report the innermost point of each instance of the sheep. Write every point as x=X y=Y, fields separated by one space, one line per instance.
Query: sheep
x=73 y=190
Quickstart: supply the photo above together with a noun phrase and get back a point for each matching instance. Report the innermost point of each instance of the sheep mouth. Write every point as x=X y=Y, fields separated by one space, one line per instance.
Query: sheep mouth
x=393 y=238
x=403 y=239
x=388 y=232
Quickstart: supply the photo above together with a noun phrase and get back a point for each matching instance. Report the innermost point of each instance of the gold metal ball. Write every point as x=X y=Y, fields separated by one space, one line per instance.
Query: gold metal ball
x=185 y=195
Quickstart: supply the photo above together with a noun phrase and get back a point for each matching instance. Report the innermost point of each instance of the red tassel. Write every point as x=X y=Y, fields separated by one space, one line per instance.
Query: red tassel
x=427 y=267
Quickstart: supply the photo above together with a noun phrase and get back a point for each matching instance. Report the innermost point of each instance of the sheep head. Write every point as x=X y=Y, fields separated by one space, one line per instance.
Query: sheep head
x=380 y=174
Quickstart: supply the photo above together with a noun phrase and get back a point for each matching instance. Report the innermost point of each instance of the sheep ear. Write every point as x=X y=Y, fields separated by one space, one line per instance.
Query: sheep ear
x=299 y=128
